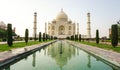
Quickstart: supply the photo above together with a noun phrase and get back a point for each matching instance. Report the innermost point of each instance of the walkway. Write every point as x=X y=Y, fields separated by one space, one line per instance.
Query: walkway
x=11 y=55
x=110 y=56
x=13 y=42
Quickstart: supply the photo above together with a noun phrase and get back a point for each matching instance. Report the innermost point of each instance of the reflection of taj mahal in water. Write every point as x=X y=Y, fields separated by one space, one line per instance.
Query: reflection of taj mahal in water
x=60 y=53
x=61 y=27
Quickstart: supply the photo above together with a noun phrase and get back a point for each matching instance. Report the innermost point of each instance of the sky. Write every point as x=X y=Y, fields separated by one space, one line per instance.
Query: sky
x=20 y=13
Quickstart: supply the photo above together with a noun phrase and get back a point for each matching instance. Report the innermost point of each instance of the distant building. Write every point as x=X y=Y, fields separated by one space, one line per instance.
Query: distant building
x=3 y=25
x=61 y=27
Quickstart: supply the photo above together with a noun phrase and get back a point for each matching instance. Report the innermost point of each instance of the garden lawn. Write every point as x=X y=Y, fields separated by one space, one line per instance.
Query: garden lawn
x=4 y=47
x=103 y=46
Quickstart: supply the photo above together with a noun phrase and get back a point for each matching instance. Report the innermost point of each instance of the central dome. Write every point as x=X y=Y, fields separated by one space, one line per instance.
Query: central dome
x=62 y=16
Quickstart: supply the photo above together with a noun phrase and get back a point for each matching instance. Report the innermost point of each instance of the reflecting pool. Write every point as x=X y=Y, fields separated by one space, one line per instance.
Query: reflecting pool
x=60 y=56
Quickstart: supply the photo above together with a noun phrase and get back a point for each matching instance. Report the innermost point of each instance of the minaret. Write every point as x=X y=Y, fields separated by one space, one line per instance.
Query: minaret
x=35 y=25
x=88 y=26
x=78 y=28
x=45 y=28
x=74 y=29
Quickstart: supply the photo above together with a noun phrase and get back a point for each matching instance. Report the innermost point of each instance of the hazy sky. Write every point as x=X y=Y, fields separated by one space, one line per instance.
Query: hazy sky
x=20 y=13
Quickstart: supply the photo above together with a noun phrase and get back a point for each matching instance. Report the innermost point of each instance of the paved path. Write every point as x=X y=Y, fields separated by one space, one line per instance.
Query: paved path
x=14 y=42
x=8 y=56
x=110 y=56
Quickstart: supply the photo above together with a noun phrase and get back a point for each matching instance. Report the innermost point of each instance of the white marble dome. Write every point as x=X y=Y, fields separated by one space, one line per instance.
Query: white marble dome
x=62 y=16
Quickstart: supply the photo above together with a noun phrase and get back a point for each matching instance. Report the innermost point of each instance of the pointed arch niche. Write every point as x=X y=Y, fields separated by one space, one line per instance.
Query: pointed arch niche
x=61 y=30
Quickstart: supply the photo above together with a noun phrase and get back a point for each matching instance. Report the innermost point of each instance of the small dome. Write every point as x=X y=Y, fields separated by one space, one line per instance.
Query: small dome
x=54 y=21
x=62 y=16
x=2 y=24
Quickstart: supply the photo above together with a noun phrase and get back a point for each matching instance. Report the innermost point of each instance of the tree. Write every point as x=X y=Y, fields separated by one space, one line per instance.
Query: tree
x=46 y=36
x=55 y=37
x=76 y=37
x=9 y=35
x=26 y=36
x=97 y=36
x=118 y=31
x=72 y=37
x=80 y=37
x=39 y=36
x=68 y=38
x=51 y=37
x=35 y=38
x=43 y=36
x=114 y=35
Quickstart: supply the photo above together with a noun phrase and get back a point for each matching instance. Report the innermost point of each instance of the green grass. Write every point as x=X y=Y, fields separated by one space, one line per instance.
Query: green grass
x=4 y=47
x=103 y=46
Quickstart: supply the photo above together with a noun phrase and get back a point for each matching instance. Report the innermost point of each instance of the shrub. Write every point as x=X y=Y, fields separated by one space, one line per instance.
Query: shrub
x=26 y=35
x=114 y=35
x=9 y=35
x=39 y=36
x=80 y=37
x=97 y=36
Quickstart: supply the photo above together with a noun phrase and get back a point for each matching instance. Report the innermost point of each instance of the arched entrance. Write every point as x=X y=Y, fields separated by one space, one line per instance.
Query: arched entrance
x=61 y=30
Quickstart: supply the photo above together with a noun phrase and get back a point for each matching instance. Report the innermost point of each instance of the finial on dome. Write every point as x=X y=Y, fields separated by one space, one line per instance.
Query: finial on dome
x=61 y=9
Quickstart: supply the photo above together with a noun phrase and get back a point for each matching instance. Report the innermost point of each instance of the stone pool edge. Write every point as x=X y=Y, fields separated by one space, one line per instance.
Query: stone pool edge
x=12 y=55
x=97 y=54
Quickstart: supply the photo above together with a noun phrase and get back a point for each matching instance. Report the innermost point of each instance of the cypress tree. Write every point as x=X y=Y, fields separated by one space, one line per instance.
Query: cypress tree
x=9 y=35
x=75 y=37
x=46 y=36
x=72 y=37
x=26 y=35
x=97 y=36
x=43 y=36
x=51 y=37
x=80 y=37
x=114 y=35
x=39 y=36
x=35 y=37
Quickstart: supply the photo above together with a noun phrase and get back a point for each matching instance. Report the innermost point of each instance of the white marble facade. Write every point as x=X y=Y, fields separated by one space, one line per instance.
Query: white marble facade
x=61 y=27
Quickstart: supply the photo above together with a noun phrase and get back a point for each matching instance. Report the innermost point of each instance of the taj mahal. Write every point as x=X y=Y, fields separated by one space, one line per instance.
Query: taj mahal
x=61 y=27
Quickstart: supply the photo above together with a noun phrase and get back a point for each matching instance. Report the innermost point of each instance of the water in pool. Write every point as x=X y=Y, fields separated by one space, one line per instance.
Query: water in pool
x=60 y=56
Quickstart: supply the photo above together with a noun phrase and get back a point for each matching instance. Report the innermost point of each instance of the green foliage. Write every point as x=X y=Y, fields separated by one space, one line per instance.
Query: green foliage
x=3 y=33
x=51 y=37
x=119 y=32
x=76 y=37
x=9 y=35
x=55 y=37
x=72 y=37
x=114 y=35
x=4 y=47
x=26 y=35
x=35 y=38
x=68 y=38
x=40 y=37
x=46 y=36
x=43 y=36
x=80 y=37
x=103 y=46
x=97 y=36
